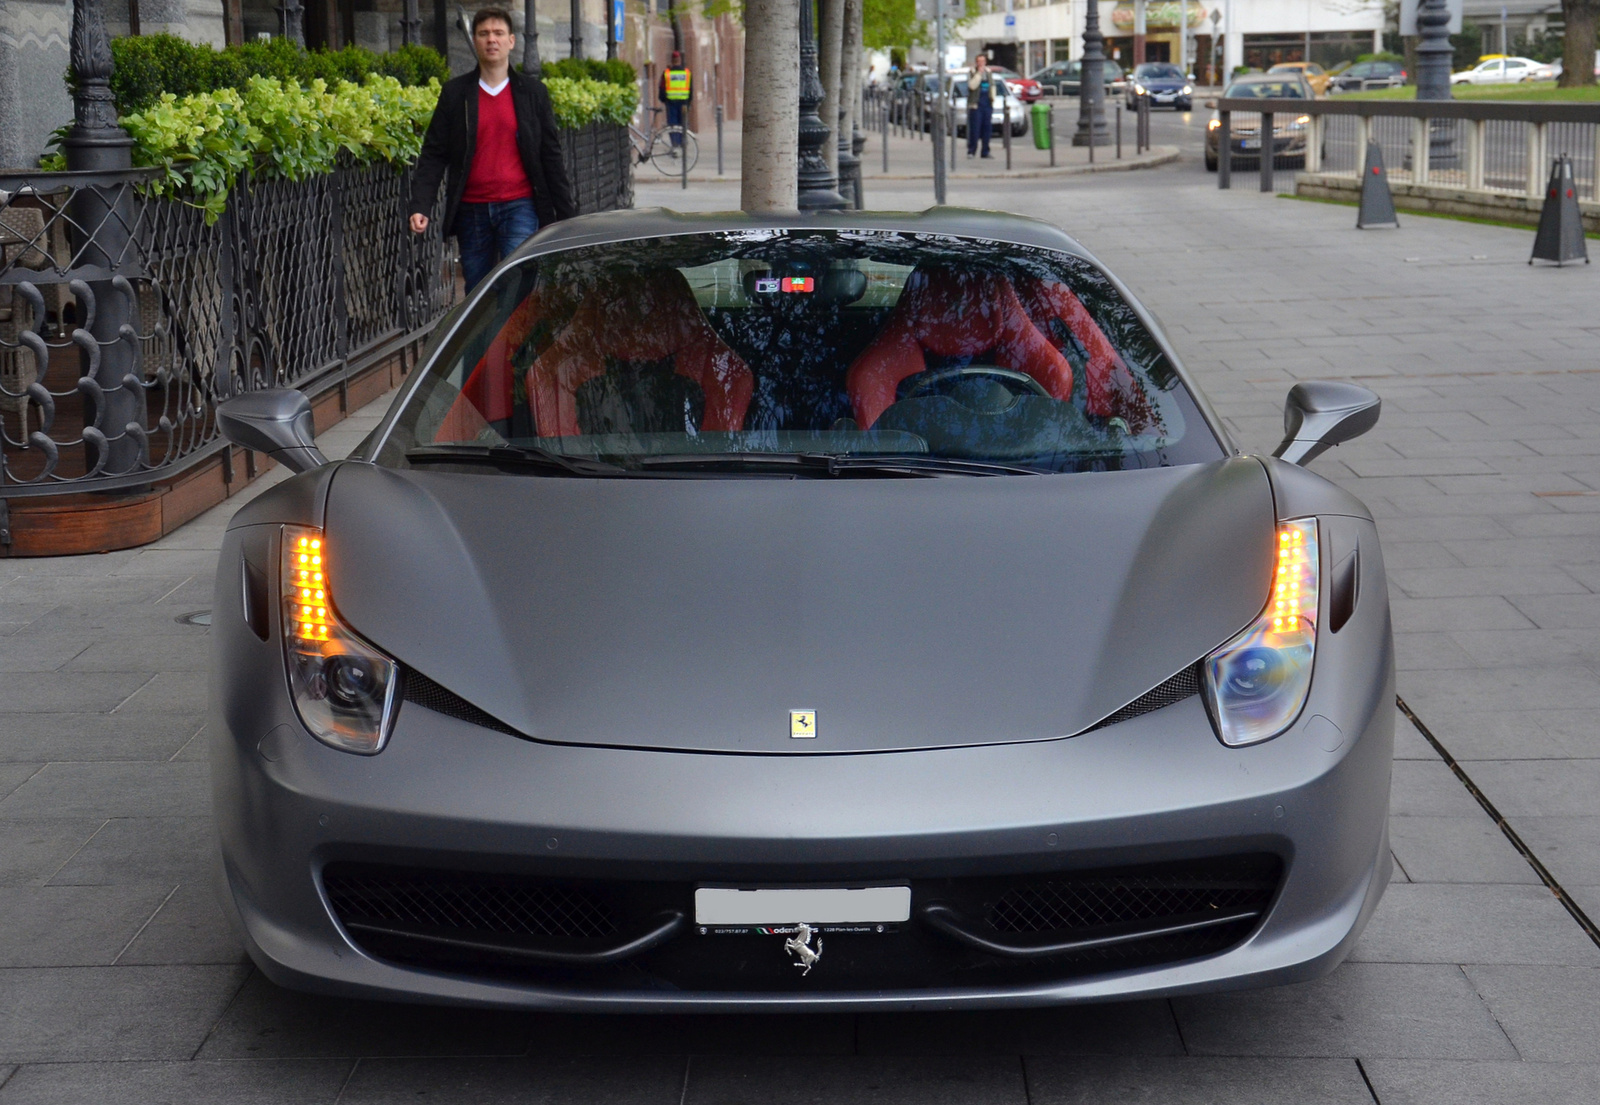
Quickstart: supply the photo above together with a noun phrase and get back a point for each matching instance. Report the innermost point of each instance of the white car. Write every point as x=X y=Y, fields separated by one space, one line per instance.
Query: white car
x=1002 y=95
x=1504 y=71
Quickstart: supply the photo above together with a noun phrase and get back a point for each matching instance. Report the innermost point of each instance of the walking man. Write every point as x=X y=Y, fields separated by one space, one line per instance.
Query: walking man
x=494 y=134
x=980 y=105
x=676 y=90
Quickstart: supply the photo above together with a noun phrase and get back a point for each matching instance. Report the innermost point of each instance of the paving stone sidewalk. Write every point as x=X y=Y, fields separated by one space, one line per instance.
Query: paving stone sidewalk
x=120 y=982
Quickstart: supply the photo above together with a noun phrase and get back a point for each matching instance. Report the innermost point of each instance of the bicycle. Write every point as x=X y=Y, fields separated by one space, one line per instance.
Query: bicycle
x=657 y=146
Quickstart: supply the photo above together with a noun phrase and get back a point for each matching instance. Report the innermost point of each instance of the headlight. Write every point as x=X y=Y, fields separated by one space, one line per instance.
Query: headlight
x=1188 y=89
x=343 y=688
x=1257 y=683
x=1214 y=124
x=1138 y=89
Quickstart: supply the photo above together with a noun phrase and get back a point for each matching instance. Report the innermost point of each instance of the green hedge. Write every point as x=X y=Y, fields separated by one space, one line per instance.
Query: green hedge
x=614 y=71
x=145 y=66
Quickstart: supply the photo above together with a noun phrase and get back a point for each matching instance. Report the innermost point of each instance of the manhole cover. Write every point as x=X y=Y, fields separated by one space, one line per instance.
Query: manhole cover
x=194 y=617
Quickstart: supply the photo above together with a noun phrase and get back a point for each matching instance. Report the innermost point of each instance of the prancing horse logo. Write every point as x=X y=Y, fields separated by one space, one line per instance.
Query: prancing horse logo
x=799 y=945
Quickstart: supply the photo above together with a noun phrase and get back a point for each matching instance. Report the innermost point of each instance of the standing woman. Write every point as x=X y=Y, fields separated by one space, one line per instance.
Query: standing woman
x=493 y=136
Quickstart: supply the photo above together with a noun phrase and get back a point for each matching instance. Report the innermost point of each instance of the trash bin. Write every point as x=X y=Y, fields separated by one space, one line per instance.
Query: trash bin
x=1041 y=126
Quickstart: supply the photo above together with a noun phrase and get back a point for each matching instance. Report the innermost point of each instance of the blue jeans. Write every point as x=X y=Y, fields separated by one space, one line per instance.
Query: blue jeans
x=675 y=115
x=488 y=232
x=980 y=123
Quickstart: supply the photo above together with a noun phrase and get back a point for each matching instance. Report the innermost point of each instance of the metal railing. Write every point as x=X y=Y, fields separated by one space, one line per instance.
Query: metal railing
x=125 y=318
x=1496 y=147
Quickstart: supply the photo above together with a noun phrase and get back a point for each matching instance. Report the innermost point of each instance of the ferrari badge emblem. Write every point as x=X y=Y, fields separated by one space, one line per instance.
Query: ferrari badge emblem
x=799 y=946
x=802 y=724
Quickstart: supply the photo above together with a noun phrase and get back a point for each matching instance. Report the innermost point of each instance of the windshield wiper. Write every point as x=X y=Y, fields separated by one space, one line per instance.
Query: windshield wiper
x=837 y=464
x=502 y=456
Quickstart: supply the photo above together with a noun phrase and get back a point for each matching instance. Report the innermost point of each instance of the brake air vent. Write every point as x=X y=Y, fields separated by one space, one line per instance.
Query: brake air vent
x=1176 y=689
x=441 y=700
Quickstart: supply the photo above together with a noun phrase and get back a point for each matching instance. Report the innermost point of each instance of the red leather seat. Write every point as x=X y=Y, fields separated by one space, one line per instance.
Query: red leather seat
x=950 y=313
x=1109 y=386
x=646 y=318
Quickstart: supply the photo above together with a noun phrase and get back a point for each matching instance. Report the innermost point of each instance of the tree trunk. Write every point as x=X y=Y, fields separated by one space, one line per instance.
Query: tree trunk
x=1577 y=50
x=769 y=162
x=830 y=39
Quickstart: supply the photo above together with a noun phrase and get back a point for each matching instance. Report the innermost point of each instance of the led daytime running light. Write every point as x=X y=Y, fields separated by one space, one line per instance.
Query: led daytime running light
x=343 y=689
x=1257 y=683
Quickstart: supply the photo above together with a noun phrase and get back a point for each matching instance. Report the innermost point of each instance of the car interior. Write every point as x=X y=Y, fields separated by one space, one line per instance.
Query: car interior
x=968 y=354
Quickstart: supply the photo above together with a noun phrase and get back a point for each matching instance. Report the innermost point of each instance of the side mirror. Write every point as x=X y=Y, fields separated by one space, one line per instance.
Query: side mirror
x=276 y=422
x=1320 y=414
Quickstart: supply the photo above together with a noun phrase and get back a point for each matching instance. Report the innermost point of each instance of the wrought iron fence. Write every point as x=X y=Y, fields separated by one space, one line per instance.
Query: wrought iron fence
x=125 y=318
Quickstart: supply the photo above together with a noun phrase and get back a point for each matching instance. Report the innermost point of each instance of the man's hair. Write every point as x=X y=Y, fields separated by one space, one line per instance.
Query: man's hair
x=483 y=15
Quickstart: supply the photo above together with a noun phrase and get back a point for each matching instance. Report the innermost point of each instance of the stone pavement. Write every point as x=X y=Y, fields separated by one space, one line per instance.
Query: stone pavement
x=119 y=981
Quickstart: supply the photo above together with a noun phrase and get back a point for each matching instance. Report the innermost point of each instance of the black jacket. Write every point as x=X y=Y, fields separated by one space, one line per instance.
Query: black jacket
x=453 y=136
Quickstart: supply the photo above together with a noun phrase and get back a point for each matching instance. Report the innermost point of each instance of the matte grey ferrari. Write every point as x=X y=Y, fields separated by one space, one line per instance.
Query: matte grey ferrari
x=856 y=611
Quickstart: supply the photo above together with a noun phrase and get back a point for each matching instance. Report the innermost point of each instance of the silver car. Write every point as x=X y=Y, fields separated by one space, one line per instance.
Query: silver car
x=850 y=611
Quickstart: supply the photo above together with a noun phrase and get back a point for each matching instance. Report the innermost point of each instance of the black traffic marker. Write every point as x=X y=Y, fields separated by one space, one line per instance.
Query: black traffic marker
x=1560 y=237
x=1377 y=205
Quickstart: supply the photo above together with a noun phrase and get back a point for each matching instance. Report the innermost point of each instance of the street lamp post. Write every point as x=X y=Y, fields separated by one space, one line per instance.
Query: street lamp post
x=1092 y=129
x=530 y=37
x=1433 y=52
x=577 y=28
x=818 y=187
x=293 y=17
x=102 y=216
x=411 y=24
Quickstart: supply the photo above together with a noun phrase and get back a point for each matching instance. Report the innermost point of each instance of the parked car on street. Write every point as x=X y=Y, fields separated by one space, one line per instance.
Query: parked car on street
x=1027 y=89
x=1164 y=83
x=1504 y=70
x=1288 y=131
x=837 y=611
x=1315 y=75
x=1369 y=74
x=1061 y=78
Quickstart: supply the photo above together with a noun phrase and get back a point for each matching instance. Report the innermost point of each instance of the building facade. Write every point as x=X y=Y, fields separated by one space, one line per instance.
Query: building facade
x=1026 y=35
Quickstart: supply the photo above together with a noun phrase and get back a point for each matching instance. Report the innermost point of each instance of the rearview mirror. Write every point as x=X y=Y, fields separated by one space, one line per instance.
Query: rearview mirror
x=1320 y=414
x=276 y=422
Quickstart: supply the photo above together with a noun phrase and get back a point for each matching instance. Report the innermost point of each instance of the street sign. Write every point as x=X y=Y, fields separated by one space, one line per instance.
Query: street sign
x=1011 y=20
x=616 y=17
x=1408 y=16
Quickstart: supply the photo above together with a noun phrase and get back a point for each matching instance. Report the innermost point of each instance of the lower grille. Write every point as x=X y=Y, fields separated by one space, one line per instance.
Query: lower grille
x=1070 y=904
x=473 y=906
x=1000 y=930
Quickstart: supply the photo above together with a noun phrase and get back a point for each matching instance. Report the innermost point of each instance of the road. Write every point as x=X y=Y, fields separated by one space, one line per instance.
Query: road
x=119 y=981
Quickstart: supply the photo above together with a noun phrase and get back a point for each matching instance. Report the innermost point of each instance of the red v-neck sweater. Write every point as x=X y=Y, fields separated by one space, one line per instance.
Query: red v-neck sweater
x=496 y=174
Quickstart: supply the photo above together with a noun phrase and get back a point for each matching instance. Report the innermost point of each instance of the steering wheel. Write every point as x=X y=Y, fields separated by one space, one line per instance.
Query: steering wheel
x=931 y=379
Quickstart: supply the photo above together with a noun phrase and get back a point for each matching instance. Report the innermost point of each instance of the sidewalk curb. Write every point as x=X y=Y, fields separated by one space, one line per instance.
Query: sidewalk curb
x=1158 y=155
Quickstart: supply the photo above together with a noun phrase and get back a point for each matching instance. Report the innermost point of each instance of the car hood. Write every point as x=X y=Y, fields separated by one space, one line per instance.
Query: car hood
x=695 y=614
x=1163 y=84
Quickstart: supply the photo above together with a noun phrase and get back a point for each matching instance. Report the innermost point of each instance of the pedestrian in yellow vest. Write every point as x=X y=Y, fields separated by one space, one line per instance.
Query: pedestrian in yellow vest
x=676 y=90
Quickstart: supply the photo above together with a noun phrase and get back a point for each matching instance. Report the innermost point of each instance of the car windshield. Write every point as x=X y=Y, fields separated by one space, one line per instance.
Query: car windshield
x=1159 y=73
x=1266 y=90
x=830 y=351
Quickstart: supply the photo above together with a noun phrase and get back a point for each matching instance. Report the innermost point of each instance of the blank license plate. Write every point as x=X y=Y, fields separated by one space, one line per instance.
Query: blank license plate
x=1250 y=144
x=872 y=905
